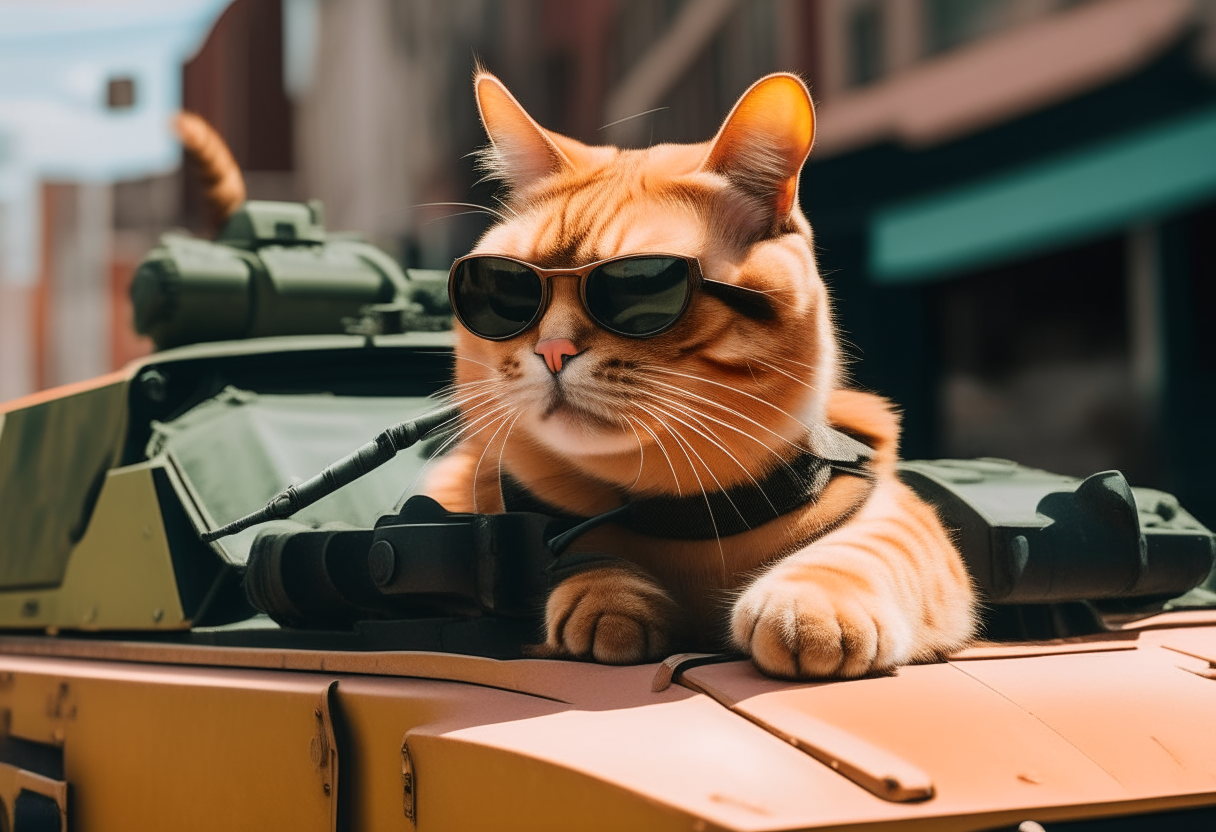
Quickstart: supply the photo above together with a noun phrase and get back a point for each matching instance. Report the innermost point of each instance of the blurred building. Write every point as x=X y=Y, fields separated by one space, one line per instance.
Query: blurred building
x=86 y=92
x=386 y=117
x=1014 y=200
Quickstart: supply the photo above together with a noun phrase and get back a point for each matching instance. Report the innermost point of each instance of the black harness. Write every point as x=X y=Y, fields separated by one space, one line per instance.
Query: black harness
x=426 y=558
x=740 y=508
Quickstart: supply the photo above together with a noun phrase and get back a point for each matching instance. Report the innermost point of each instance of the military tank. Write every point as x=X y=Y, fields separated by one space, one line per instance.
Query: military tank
x=353 y=656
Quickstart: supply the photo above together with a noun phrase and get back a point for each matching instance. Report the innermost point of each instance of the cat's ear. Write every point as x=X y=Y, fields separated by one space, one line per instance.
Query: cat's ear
x=521 y=151
x=764 y=141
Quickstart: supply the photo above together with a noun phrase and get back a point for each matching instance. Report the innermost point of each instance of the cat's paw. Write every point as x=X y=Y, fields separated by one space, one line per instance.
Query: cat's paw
x=807 y=626
x=614 y=616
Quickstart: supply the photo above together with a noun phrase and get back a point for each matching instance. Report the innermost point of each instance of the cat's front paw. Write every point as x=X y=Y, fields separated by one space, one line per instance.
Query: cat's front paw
x=815 y=626
x=614 y=616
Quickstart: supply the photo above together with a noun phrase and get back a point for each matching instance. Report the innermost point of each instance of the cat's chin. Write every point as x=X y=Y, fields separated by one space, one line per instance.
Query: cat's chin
x=570 y=432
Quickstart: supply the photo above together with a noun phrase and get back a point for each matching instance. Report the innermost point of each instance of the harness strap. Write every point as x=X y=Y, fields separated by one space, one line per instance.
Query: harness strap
x=740 y=508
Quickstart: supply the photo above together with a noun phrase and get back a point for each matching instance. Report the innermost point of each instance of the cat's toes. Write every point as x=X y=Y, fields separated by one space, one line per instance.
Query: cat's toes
x=799 y=629
x=613 y=616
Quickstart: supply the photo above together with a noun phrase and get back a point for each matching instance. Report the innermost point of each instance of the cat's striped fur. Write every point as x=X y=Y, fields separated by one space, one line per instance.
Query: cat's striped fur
x=717 y=401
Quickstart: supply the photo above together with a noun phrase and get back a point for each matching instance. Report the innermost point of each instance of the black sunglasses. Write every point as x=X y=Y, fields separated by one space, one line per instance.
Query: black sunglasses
x=637 y=296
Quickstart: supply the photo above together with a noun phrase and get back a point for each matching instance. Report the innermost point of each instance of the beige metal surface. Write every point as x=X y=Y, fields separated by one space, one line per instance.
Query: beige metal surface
x=1042 y=735
x=583 y=684
x=166 y=736
x=120 y=575
x=377 y=713
x=146 y=748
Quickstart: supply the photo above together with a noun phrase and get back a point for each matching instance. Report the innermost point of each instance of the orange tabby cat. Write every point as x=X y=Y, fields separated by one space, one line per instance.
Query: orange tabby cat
x=859 y=579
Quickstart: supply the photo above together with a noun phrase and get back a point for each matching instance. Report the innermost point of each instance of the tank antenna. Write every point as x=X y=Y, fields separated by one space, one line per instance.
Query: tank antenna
x=346 y=470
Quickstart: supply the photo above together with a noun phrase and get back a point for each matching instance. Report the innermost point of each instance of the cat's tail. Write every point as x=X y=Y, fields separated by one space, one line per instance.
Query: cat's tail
x=223 y=184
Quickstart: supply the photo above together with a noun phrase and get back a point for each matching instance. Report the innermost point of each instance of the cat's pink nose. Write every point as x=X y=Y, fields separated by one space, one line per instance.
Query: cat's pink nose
x=554 y=350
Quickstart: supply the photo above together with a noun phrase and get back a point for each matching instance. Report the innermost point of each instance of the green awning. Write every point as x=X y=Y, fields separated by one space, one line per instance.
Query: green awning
x=1047 y=204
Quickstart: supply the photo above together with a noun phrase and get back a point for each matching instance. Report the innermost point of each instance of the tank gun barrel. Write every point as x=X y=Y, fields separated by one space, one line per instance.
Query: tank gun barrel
x=346 y=470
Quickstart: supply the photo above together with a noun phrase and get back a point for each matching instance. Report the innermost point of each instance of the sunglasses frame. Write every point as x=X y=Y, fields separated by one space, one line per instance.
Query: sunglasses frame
x=698 y=281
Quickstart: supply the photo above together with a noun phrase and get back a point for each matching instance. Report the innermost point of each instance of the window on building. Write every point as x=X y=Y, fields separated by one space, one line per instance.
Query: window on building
x=1201 y=245
x=950 y=23
x=120 y=93
x=865 y=38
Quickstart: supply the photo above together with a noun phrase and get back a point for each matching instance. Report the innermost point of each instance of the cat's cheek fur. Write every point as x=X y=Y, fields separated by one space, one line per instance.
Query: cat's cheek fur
x=611 y=615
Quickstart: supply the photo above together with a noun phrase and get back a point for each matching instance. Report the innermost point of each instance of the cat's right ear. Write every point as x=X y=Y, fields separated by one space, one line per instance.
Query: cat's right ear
x=521 y=152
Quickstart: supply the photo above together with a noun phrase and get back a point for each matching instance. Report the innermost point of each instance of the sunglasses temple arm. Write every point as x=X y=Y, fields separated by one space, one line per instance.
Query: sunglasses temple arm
x=749 y=302
x=346 y=470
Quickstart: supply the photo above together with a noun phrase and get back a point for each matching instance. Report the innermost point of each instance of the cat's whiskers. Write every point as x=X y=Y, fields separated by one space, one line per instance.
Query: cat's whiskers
x=714 y=439
x=466 y=396
x=674 y=476
x=641 y=453
x=473 y=400
x=481 y=208
x=480 y=459
x=519 y=412
x=700 y=415
x=447 y=443
x=750 y=371
x=709 y=468
x=691 y=406
x=769 y=293
x=473 y=383
x=446 y=392
x=787 y=360
x=732 y=411
x=685 y=401
x=708 y=507
x=460 y=357
x=754 y=398
x=464 y=431
x=790 y=376
x=450 y=217
x=506 y=207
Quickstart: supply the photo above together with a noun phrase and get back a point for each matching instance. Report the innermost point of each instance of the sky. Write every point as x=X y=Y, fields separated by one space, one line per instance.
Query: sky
x=56 y=60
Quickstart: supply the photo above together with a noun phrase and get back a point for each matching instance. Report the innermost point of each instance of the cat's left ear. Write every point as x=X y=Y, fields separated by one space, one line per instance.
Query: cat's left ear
x=764 y=141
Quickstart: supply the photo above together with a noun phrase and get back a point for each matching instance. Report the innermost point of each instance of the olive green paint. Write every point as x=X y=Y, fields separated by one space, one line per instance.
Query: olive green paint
x=53 y=461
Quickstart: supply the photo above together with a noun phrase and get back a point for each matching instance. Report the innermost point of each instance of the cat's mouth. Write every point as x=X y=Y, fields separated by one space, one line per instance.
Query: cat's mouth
x=561 y=406
x=573 y=429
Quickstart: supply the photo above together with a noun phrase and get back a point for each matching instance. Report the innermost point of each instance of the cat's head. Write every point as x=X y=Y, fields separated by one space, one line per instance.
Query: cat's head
x=732 y=385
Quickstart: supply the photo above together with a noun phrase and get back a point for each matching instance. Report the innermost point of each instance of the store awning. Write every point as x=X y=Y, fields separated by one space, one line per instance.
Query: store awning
x=1051 y=203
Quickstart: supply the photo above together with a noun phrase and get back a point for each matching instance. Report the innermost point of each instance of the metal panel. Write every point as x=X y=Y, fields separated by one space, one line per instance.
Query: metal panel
x=120 y=575
x=1052 y=203
x=53 y=458
x=155 y=748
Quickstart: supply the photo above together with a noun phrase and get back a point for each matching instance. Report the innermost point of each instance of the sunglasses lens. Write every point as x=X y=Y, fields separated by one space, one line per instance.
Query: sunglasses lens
x=638 y=296
x=495 y=298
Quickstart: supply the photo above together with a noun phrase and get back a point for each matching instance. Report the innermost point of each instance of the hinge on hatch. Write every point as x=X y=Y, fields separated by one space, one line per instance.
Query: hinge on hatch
x=407 y=783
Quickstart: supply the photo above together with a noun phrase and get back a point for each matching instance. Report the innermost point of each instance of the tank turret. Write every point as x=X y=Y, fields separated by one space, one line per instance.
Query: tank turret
x=275 y=270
